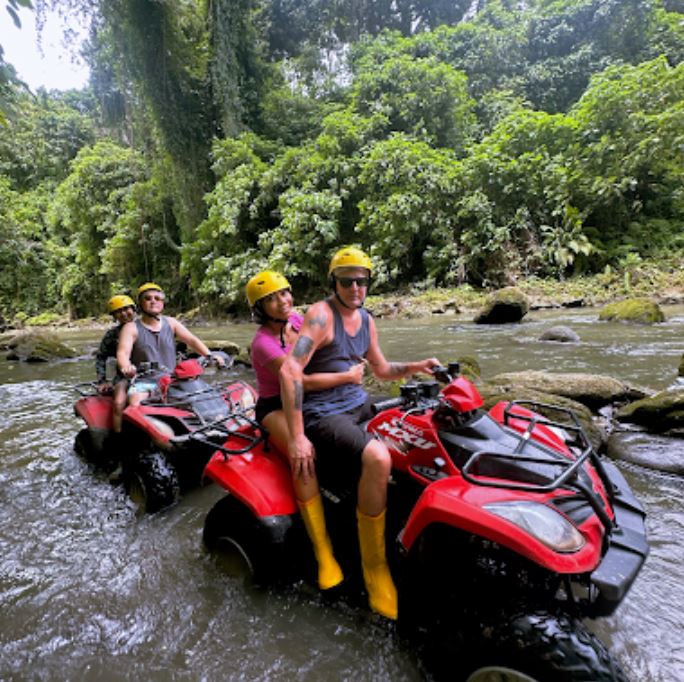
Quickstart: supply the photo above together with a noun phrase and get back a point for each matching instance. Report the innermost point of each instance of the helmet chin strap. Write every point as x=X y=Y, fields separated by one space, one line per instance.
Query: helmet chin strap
x=282 y=323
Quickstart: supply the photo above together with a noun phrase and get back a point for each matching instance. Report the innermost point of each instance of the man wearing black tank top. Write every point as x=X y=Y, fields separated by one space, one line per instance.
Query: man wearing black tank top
x=335 y=334
x=152 y=338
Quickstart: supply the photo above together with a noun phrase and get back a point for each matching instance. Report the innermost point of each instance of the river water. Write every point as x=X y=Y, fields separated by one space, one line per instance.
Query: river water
x=91 y=591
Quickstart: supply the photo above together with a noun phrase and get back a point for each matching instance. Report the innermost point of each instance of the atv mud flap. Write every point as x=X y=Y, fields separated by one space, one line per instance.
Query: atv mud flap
x=627 y=547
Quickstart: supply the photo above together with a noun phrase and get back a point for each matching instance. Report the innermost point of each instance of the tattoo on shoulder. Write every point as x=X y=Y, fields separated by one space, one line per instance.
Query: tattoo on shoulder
x=398 y=368
x=302 y=347
x=318 y=320
x=298 y=396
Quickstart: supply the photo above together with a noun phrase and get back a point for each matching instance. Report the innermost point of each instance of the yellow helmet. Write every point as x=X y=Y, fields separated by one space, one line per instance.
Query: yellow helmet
x=350 y=257
x=263 y=284
x=147 y=286
x=117 y=302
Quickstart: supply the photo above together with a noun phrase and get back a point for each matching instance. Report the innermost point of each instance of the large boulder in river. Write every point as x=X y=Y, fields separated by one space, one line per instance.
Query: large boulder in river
x=592 y=390
x=40 y=346
x=663 y=411
x=492 y=394
x=505 y=305
x=560 y=334
x=637 y=310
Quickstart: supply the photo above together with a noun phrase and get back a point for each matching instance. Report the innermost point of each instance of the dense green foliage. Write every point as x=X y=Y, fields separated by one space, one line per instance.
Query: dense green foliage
x=459 y=142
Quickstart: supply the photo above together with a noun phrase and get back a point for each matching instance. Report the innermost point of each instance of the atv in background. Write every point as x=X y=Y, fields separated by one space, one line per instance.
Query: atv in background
x=166 y=440
x=504 y=530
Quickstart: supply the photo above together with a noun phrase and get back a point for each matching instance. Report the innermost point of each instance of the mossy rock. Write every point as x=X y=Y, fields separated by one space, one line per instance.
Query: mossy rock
x=681 y=367
x=229 y=347
x=503 y=306
x=492 y=394
x=663 y=411
x=41 y=346
x=592 y=390
x=636 y=310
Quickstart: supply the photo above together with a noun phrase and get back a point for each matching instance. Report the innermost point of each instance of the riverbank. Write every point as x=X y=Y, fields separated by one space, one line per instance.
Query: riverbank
x=663 y=282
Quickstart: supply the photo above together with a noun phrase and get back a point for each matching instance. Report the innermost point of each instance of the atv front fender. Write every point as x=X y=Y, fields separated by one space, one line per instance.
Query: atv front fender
x=95 y=410
x=260 y=480
x=449 y=502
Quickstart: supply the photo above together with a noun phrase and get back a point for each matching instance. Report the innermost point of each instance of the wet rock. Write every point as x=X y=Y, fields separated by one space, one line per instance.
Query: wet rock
x=573 y=303
x=681 y=367
x=560 y=334
x=6 y=339
x=660 y=412
x=592 y=390
x=492 y=394
x=505 y=305
x=39 y=347
x=636 y=310
x=663 y=453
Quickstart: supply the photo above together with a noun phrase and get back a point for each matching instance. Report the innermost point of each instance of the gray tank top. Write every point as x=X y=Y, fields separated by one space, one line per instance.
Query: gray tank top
x=338 y=356
x=155 y=346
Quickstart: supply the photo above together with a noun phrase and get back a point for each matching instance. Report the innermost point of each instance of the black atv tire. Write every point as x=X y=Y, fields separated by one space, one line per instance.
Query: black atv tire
x=536 y=647
x=240 y=542
x=86 y=448
x=152 y=482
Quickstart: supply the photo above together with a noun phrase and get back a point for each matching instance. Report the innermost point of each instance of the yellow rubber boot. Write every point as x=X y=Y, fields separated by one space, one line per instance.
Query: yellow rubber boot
x=382 y=594
x=329 y=571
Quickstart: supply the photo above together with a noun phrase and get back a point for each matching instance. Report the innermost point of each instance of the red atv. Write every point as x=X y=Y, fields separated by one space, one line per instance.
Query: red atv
x=168 y=439
x=505 y=529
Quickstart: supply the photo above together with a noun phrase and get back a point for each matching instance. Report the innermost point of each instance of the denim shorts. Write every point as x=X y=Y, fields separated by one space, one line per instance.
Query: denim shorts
x=142 y=387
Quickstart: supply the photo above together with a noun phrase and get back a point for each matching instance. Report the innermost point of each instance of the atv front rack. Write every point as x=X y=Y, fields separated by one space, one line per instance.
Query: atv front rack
x=569 y=468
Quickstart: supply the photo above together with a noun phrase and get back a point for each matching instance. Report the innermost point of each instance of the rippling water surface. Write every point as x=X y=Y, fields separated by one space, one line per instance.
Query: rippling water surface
x=91 y=591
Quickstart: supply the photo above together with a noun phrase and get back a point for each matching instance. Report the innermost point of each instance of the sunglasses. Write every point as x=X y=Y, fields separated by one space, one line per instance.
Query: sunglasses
x=346 y=282
x=153 y=298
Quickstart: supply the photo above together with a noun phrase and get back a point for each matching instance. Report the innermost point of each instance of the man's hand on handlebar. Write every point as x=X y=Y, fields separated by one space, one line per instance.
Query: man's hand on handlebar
x=129 y=371
x=104 y=388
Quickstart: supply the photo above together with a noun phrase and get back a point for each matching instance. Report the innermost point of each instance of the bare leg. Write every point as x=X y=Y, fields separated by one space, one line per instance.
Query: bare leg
x=310 y=507
x=136 y=398
x=120 y=390
x=376 y=466
x=276 y=423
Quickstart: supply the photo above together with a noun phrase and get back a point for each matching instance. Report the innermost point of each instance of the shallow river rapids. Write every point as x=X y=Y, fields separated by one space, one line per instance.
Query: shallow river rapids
x=91 y=591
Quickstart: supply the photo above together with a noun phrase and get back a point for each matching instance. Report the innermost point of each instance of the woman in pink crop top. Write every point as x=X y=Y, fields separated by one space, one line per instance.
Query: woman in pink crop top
x=270 y=298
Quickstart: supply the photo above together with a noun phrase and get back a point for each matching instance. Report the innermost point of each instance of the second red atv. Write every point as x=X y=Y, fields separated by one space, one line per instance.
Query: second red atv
x=168 y=439
x=504 y=530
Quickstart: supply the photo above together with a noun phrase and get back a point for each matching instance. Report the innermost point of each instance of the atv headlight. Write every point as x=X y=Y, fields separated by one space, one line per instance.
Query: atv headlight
x=543 y=522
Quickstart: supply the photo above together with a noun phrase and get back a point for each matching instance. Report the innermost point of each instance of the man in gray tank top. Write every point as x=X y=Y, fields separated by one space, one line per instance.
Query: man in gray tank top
x=152 y=338
x=337 y=333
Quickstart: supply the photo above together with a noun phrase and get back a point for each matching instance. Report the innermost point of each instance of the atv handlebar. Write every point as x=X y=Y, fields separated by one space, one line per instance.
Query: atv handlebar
x=388 y=404
x=87 y=388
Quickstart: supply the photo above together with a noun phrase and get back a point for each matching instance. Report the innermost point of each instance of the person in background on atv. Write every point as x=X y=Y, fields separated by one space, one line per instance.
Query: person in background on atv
x=122 y=309
x=335 y=334
x=152 y=338
x=270 y=298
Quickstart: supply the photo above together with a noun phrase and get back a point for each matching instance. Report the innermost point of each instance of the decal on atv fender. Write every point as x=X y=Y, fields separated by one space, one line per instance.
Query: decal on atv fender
x=413 y=436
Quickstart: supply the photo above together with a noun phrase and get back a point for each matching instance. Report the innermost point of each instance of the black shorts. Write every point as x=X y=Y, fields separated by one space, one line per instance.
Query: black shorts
x=340 y=440
x=265 y=406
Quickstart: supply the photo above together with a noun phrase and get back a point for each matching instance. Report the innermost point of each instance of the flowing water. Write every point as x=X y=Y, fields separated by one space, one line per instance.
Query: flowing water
x=91 y=591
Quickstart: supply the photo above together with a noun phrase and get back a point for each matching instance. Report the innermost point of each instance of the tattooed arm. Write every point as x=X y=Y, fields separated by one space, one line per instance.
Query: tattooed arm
x=316 y=328
x=389 y=371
